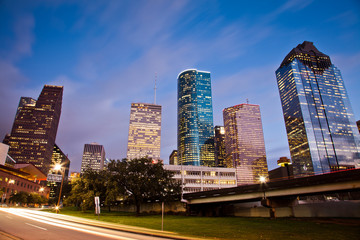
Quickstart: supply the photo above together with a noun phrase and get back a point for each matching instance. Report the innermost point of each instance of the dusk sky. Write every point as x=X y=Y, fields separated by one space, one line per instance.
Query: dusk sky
x=106 y=54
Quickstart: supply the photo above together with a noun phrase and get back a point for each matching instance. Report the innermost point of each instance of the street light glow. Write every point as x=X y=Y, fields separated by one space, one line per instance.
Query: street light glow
x=57 y=167
x=262 y=179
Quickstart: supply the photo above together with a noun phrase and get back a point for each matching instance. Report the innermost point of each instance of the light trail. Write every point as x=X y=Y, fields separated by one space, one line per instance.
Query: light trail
x=62 y=224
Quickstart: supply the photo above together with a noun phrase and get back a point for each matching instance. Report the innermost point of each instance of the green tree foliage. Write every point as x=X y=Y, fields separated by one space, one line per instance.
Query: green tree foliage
x=19 y=198
x=140 y=179
x=85 y=189
x=134 y=181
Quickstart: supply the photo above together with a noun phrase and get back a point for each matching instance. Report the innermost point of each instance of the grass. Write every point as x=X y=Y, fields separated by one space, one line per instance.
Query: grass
x=236 y=227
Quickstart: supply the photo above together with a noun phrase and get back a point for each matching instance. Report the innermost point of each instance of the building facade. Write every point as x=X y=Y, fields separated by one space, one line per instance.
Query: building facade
x=144 y=138
x=195 y=119
x=219 y=144
x=201 y=178
x=173 y=158
x=319 y=121
x=244 y=142
x=35 y=127
x=93 y=157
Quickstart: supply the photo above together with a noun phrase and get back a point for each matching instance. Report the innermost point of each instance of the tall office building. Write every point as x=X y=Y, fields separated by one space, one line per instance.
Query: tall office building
x=244 y=142
x=144 y=131
x=219 y=144
x=35 y=126
x=319 y=121
x=195 y=119
x=93 y=157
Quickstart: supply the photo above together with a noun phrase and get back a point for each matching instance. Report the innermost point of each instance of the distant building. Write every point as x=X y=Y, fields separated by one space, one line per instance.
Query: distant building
x=319 y=120
x=283 y=172
x=195 y=119
x=35 y=126
x=144 y=131
x=59 y=157
x=244 y=142
x=219 y=144
x=93 y=157
x=173 y=158
x=74 y=176
x=201 y=178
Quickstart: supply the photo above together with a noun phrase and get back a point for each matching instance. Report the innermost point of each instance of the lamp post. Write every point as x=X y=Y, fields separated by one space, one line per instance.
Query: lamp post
x=59 y=168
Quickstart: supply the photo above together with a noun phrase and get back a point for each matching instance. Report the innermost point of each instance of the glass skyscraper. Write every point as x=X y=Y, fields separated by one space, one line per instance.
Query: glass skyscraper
x=195 y=119
x=319 y=121
x=244 y=142
x=144 y=131
x=35 y=127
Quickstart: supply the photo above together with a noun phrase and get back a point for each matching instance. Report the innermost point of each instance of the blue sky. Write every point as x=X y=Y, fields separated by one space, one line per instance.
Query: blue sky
x=106 y=54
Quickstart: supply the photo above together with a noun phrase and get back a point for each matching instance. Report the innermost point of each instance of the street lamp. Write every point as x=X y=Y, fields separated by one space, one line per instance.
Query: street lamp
x=58 y=167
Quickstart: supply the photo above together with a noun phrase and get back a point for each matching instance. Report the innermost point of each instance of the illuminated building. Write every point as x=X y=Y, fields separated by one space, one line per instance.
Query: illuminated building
x=195 y=119
x=93 y=157
x=24 y=177
x=201 y=178
x=285 y=171
x=144 y=131
x=244 y=142
x=219 y=144
x=173 y=158
x=35 y=126
x=319 y=120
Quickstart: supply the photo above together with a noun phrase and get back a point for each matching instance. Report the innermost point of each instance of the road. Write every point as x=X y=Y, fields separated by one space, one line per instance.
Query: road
x=36 y=225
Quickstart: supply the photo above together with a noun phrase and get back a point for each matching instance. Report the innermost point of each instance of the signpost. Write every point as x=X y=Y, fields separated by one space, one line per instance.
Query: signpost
x=97 y=206
x=54 y=177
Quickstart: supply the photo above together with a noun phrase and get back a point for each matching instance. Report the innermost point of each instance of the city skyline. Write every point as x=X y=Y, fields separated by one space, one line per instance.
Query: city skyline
x=106 y=56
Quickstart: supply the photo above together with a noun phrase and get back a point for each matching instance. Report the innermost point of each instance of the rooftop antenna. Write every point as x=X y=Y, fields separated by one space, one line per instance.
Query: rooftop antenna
x=247 y=101
x=155 y=88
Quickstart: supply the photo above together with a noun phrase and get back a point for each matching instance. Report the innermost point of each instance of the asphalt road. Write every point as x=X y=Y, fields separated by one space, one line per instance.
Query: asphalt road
x=33 y=225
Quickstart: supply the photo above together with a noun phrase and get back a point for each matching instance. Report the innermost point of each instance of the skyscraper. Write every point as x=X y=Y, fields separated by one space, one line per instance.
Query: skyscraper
x=319 y=120
x=93 y=157
x=244 y=142
x=144 y=131
x=195 y=119
x=219 y=143
x=35 y=126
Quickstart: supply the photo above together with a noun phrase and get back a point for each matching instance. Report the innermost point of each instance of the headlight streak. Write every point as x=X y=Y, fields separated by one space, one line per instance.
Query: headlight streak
x=22 y=213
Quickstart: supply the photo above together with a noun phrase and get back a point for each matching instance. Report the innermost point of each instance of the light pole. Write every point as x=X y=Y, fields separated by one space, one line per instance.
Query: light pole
x=59 y=168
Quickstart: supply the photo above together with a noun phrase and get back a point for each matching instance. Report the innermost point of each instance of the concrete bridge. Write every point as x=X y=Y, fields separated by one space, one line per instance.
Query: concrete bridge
x=272 y=195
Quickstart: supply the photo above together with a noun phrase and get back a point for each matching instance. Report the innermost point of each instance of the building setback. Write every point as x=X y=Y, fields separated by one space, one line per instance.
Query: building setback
x=244 y=142
x=35 y=127
x=319 y=121
x=144 y=138
x=219 y=144
x=195 y=119
x=173 y=158
x=93 y=157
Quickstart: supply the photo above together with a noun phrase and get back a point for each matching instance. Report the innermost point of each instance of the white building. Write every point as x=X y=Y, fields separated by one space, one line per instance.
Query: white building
x=199 y=178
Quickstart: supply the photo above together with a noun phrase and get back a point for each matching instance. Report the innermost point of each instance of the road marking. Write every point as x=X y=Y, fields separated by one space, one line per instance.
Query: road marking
x=36 y=226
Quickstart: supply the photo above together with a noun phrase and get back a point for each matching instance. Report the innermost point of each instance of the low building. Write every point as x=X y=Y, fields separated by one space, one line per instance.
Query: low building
x=200 y=178
x=22 y=177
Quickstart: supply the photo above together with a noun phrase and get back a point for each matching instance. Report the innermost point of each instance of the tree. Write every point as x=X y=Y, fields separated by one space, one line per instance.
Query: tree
x=20 y=197
x=84 y=189
x=140 y=179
